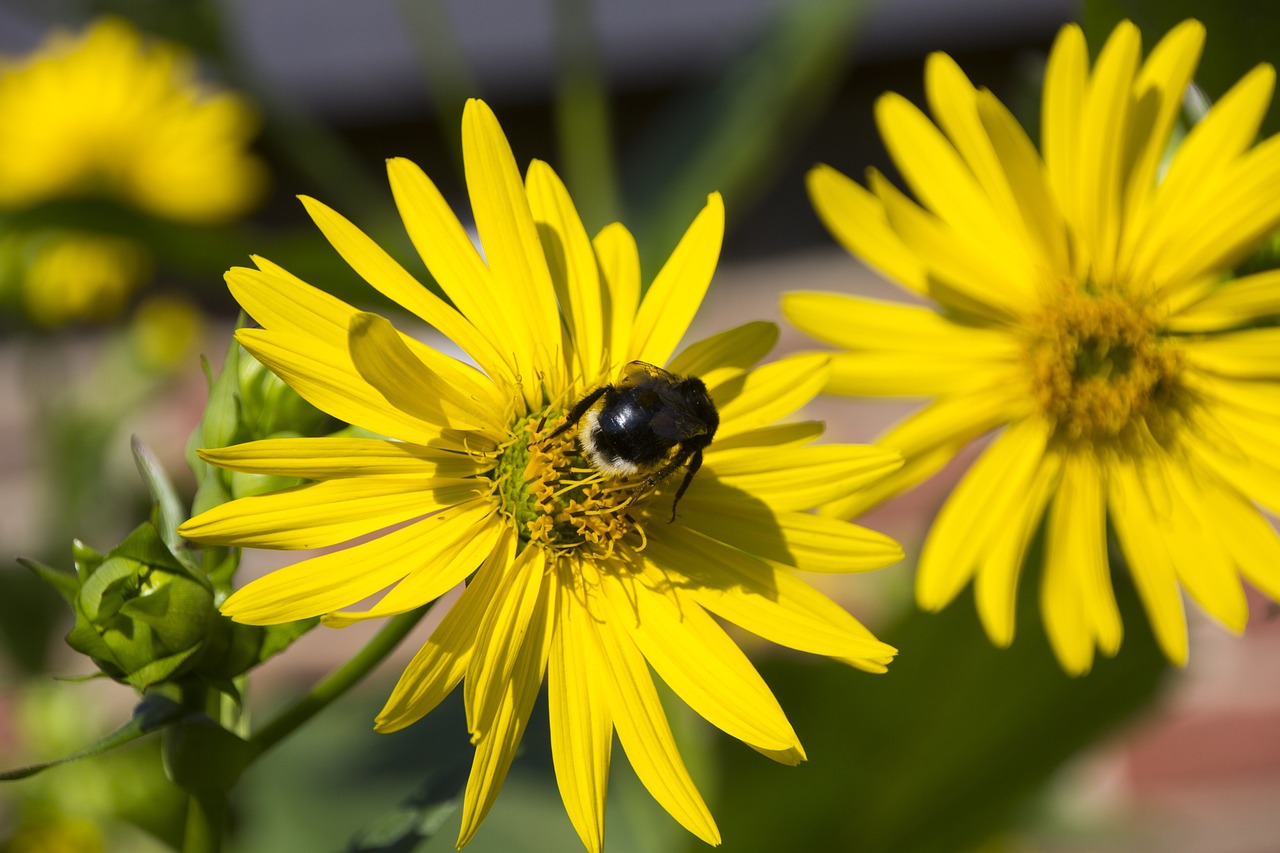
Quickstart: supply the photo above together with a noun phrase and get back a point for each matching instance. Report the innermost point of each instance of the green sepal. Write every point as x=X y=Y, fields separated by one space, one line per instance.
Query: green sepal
x=169 y=509
x=152 y=713
x=63 y=583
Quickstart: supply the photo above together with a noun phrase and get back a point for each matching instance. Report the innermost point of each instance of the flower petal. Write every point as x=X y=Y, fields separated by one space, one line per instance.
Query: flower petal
x=726 y=355
x=619 y=263
x=510 y=238
x=442 y=661
x=856 y=218
x=772 y=391
x=769 y=602
x=645 y=734
x=372 y=263
x=455 y=264
x=413 y=386
x=581 y=720
x=982 y=501
x=677 y=291
x=333 y=458
x=1232 y=303
x=572 y=263
x=1143 y=539
x=1200 y=557
x=341 y=578
x=810 y=542
x=326 y=513
x=496 y=744
x=795 y=478
x=698 y=661
x=449 y=558
x=1065 y=79
x=1247 y=354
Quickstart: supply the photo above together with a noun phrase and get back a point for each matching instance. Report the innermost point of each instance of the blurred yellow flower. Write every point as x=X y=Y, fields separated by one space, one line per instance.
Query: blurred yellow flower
x=1081 y=306
x=574 y=574
x=75 y=276
x=166 y=332
x=109 y=112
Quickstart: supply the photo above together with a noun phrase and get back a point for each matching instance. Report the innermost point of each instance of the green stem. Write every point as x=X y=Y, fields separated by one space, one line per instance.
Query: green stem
x=338 y=682
x=206 y=815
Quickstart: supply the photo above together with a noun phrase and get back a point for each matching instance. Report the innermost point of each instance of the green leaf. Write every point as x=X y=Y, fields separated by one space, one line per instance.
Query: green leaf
x=169 y=508
x=940 y=752
x=152 y=713
x=64 y=583
x=419 y=817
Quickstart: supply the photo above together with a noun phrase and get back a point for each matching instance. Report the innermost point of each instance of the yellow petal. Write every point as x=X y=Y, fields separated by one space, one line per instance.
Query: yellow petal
x=581 y=720
x=1158 y=93
x=1103 y=123
x=331 y=458
x=441 y=662
x=1200 y=557
x=795 y=478
x=501 y=637
x=645 y=734
x=1198 y=169
x=619 y=263
x=995 y=587
x=372 y=263
x=512 y=249
x=769 y=602
x=455 y=264
x=947 y=187
x=1235 y=302
x=768 y=393
x=1143 y=539
x=1248 y=354
x=962 y=273
x=572 y=264
x=326 y=513
x=1076 y=599
x=412 y=385
x=721 y=357
x=677 y=291
x=326 y=378
x=447 y=560
x=982 y=501
x=1248 y=535
x=857 y=220
x=1065 y=78
x=698 y=661
x=496 y=745
x=774 y=435
x=803 y=540
x=931 y=437
x=338 y=579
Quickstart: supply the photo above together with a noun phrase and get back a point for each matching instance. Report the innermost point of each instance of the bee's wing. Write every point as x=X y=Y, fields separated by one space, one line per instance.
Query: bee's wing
x=641 y=372
x=674 y=421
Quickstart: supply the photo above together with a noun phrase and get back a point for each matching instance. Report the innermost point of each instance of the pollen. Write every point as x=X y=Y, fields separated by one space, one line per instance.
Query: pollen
x=1101 y=370
x=558 y=501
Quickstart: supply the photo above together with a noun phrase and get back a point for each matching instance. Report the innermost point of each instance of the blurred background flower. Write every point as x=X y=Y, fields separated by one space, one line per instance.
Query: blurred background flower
x=643 y=109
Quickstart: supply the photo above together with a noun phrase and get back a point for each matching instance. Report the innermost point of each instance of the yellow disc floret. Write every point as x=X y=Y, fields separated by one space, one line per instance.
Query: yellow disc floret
x=1100 y=371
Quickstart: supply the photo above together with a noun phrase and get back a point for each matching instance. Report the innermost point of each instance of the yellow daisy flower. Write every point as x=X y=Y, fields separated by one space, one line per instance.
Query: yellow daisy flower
x=1083 y=306
x=109 y=112
x=575 y=574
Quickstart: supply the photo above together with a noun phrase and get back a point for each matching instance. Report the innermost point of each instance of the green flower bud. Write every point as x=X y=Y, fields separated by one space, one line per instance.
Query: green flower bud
x=269 y=407
x=141 y=615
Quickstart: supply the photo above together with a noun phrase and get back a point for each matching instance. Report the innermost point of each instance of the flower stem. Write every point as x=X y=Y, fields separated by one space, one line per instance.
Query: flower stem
x=338 y=682
x=206 y=815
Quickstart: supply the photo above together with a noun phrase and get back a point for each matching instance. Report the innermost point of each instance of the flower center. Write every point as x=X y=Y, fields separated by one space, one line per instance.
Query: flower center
x=557 y=500
x=1100 y=369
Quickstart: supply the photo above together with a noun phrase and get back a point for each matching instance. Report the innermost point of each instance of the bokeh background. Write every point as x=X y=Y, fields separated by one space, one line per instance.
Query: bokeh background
x=643 y=108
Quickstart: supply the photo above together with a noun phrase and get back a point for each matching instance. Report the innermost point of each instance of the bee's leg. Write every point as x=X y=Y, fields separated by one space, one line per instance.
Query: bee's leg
x=695 y=462
x=576 y=413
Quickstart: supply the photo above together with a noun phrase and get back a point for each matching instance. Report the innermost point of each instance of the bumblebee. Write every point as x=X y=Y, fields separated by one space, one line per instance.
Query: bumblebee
x=630 y=428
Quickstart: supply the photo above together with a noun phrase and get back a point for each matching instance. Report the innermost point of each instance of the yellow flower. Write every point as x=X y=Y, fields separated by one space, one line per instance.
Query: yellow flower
x=1083 y=306
x=107 y=112
x=578 y=575
x=73 y=276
